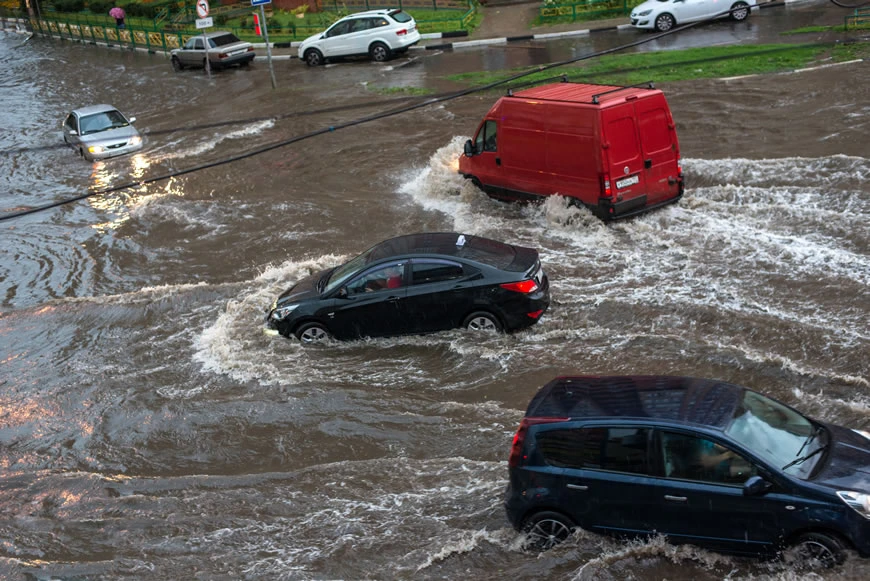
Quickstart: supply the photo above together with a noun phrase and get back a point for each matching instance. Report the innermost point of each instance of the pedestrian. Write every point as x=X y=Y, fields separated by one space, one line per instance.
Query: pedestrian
x=118 y=14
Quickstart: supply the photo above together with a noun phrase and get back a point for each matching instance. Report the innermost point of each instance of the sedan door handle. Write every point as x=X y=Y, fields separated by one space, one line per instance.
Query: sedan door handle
x=676 y=498
x=577 y=487
x=393 y=299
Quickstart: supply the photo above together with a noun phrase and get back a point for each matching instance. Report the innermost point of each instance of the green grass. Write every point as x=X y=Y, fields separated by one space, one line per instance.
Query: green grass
x=838 y=28
x=400 y=91
x=680 y=65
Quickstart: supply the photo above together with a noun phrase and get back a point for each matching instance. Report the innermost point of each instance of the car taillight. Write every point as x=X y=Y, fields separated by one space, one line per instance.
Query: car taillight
x=402 y=32
x=250 y=49
x=519 y=442
x=679 y=166
x=608 y=193
x=525 y=286
x=535 y=314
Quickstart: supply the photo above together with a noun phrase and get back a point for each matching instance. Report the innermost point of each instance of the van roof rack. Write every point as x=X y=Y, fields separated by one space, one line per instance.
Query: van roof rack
x=647 y=84
x=563 y=78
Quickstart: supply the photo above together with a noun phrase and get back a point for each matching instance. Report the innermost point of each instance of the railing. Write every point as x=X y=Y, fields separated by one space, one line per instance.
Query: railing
x=860 y=19
x=360 y=5
x=585 y=10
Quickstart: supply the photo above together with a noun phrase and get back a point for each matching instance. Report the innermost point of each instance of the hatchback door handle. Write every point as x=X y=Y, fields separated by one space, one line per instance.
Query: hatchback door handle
x=393 y=299
x=577 y=487
x=647 y=163
x=676 y=498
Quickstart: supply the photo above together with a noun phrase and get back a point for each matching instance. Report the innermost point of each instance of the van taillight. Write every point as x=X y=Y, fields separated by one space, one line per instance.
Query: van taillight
x=517 y=457
x=679 y=166
x=525 y=286
x=608 y=193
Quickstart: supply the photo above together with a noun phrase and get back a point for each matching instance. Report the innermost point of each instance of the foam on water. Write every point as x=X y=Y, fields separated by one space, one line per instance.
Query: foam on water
x=210 y=143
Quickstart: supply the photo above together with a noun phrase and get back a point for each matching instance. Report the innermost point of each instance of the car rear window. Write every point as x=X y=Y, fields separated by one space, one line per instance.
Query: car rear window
x=400 y=16
x=616 y=449
x=224 y=40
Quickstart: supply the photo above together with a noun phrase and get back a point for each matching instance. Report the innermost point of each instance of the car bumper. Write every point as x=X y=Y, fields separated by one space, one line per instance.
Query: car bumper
x=646 y=22
x=237 y=59
x=524 y=311
x=112 y=151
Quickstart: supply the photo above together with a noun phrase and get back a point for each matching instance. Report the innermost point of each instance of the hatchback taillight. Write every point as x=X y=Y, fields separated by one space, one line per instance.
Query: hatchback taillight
x=525 y=286
x=517 y=457
x=402 y=32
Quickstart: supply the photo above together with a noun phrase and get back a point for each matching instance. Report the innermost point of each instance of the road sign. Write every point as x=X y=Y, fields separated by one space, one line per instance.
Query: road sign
x=202 y=9
x=260 y=2
x=204 y=22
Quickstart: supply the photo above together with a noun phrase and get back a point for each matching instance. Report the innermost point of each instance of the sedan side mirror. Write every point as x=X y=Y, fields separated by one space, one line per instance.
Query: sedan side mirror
x=756 y=486
x=131 y=120
x=73 y=132
x=469 y=148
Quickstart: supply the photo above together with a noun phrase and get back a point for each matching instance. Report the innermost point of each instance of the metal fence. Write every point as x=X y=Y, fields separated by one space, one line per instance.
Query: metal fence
x=585 y=10
x=860 y=19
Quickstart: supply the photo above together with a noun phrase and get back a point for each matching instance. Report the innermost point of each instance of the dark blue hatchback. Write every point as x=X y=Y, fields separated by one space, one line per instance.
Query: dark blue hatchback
x=700 y=461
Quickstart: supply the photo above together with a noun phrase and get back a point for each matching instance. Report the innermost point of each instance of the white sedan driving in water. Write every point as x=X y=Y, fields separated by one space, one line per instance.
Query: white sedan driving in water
x=663 y=15
x=100 y=131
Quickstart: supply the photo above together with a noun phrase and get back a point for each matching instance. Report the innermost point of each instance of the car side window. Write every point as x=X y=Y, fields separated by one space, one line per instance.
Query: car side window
x=360 y=24
x=486 y=138
x=688 y=457
x=339 y=29
x=435 y=271
x=378 y=22
x=70 y=123
x=385 y=277
x=616 y=449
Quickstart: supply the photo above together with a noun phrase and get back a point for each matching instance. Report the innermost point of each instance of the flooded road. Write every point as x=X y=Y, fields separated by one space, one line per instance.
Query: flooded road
x=149 y=429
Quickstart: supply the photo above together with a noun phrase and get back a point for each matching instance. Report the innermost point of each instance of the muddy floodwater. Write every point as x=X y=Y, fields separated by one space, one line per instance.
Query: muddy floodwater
x=149 y=429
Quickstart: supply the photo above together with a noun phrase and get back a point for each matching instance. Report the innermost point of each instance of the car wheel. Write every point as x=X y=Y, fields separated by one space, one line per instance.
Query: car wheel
x=313 y=57
x=818 y=550
x=665 y=22
x=379 y=52
x=739 y=11
x=482 y=321
x=312 y=333
x=176 y=64
x=544 y=530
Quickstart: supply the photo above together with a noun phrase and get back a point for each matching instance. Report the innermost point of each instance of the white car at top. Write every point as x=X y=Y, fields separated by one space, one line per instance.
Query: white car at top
x=377 y=33
x=663 y=15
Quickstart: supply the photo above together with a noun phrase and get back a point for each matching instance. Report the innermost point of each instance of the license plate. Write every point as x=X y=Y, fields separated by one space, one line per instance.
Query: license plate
x=235 y=52
x=629 y=181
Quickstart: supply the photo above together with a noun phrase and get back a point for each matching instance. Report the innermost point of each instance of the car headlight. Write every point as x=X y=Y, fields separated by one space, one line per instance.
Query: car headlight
x=645 y=12
x=135 y=140
x=282 y=312
x=858 y=501
x=96 y=149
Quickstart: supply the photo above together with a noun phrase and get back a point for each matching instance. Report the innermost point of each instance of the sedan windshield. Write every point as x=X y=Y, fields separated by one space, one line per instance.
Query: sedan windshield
x=777 y=433
x=101 y=122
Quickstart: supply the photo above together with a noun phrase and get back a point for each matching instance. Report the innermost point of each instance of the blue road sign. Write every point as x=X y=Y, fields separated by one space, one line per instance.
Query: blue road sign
x=259 y=2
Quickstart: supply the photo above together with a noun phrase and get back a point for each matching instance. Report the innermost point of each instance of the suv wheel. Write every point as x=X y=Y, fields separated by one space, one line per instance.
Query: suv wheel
x=482 y=321
x=740 y=10
x=818 y=550
x=544 y=530
x=312 y=333
x=665 y=22
x=379 y=52
x=313 y=57
x=176 y=64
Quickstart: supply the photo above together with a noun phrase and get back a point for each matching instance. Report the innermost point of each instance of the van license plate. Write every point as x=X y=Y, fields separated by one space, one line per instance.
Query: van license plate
x=630 y=181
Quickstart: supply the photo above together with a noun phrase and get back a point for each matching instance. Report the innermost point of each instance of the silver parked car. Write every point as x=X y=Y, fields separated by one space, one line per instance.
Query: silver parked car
x=101 y=131
x=224 y=50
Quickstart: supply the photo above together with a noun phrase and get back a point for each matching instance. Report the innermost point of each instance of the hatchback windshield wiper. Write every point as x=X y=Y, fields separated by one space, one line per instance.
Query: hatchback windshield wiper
x=809 y=439
x=805 y=458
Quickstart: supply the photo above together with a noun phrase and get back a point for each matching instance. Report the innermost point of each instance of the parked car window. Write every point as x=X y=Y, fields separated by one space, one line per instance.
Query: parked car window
x=340 y=28
x=435 y=271
x=400 y=16
x=194 y=44
x=384 y=277
x=617 y=449
x=223 y=40
x=689 y=457
x=360 y=24
x=378 y=22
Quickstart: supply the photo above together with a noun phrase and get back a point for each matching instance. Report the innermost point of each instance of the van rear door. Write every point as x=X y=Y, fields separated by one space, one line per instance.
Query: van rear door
x=658 y=141
x=623 y=160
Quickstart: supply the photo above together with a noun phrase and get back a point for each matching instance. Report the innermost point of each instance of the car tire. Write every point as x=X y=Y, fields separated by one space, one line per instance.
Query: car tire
x=544 y=530
x=482 y=321
x=818 y=550
x=312 y=333
x=665 y=22
x=379 y=52
x=313 y=57
x=176 y=64
x=739 y=11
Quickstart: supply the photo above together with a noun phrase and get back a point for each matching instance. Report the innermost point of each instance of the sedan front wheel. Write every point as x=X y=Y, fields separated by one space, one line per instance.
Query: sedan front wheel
x=309 y=333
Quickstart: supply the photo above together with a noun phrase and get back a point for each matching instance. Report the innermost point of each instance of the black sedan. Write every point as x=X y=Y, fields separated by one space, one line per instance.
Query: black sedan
x=418 y=283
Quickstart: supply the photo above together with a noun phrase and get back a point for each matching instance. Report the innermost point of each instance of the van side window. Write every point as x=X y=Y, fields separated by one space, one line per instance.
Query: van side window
x=688 y=457
x=616 y=449
x=485 y=140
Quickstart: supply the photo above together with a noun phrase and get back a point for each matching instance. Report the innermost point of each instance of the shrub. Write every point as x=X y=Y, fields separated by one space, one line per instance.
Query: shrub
x=243 y=22
x=221 y=19
x=141 y=10
x=101 y=7
x=69 y=5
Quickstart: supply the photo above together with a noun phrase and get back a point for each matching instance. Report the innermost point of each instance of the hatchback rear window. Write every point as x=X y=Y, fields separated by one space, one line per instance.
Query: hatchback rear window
x=400 y=16
x=224 y=40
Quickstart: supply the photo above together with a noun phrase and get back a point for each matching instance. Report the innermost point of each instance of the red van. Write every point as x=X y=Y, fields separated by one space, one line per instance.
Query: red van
x=614 y=149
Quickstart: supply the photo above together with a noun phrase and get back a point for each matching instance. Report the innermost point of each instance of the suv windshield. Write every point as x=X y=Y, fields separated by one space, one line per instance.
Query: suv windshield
x=777 y=433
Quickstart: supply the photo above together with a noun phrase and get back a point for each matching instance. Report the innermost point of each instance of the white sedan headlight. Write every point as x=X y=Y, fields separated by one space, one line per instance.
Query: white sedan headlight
x=281 y=312
x=135 y=140
x=644 y=13
x=858 y=501
x=96 y=149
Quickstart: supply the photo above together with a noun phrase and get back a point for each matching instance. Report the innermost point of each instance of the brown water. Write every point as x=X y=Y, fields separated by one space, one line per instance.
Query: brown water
x=149 y=429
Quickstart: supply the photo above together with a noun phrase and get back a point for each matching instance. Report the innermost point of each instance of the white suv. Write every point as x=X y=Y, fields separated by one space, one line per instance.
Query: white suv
x=377 y=33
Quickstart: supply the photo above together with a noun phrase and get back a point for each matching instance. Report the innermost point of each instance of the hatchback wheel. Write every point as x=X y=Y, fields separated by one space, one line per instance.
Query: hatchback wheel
x=482 y=321
x=313 y=57
x=665 y=22
x=176 y=64
x=740 y=10
x=312 y=333
x=545 y=530
x=818 y=550
x=379 y=52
